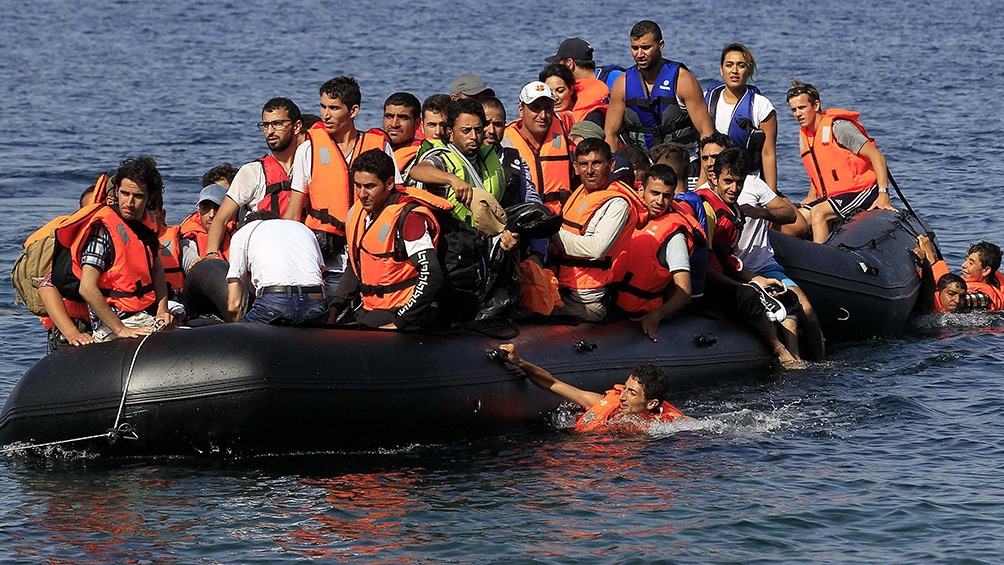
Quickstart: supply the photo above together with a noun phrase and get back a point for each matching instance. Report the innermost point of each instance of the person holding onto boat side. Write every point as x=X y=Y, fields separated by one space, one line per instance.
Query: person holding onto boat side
x=632 y=406
x=392 y=237
x=653 y=276
x=981 y=282
x=590 y=95
x=114 y=256
x=262 y=184
x=320 y=180
x=725 y=273
x=542 y=140
x=597 y=224
x=656 y=100
x=848 y=173
x=402 y=120
x=281 y=262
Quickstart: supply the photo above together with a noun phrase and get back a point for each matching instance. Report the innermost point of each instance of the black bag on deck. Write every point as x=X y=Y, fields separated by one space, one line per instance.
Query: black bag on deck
x=463 y=255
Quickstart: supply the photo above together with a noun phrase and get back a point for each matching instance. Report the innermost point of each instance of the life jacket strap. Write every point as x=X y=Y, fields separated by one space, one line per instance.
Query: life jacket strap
x=380 y=290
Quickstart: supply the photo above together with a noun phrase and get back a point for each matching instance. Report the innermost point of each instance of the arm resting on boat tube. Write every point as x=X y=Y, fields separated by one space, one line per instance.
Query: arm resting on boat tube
x=870 y=151
x=91 y=294
x=54 y=306
x=546 y=380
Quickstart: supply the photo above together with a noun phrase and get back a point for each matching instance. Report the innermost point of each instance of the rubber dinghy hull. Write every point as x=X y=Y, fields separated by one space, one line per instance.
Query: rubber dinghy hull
x=238 y=389
x=863 y=282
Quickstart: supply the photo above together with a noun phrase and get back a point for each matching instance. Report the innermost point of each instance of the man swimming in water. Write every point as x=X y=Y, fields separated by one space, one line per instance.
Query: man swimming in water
x=641 y=397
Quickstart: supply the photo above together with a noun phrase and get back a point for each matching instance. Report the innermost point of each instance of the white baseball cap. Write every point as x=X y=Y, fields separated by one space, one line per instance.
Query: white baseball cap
x=533 y=91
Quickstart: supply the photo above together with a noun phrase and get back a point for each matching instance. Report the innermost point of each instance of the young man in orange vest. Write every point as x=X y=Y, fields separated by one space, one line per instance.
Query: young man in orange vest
x=632 y=406
x=115 y=254
x=847 y=170
x=982 y=287
x=402 y=121
x=320 y=177
x=392 y=237
x=543 y=143
x=653 y=276
x=597 y=223
x=262 y=184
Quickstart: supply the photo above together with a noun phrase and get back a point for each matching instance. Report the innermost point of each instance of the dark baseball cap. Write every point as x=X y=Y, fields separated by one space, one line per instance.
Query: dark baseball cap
x=572 y=48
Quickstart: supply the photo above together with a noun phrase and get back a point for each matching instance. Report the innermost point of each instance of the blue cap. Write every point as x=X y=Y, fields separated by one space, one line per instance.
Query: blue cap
x=214 y=193
x=623 y=170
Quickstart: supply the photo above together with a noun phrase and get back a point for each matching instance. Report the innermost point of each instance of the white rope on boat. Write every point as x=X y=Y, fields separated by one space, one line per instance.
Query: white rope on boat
x=118 y=430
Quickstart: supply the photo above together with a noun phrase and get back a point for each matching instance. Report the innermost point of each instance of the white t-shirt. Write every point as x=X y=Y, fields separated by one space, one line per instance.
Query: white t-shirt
x=762 y=109
x=248 y=187
x=754 y=245
x=276 y=252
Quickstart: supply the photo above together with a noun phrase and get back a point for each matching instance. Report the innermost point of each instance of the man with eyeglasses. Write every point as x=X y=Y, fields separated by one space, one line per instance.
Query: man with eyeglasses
x=542 y=141
x=262 y=184
x=847 y=171
x=322 y=193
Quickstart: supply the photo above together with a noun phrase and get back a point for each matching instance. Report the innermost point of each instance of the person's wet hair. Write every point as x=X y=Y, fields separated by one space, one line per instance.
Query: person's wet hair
x=949 y=279
x=653 y=381
x=990 y=255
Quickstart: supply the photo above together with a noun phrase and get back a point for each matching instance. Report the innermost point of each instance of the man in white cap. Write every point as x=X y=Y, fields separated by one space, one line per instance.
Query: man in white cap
x=194 y=230
x=470 y=85
x=543 y=143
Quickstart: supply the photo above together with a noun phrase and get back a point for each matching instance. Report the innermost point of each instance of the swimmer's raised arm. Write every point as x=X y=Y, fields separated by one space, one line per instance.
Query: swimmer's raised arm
x=547 y=381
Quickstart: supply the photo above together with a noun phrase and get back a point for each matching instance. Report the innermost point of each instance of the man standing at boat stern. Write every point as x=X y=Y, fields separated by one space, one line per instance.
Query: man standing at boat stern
x=283 y=262
x=392 y=235
x=847 y=170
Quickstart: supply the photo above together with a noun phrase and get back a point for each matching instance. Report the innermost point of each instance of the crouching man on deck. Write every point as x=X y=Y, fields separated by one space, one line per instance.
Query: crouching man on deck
x=392 y=236
x=639 y=401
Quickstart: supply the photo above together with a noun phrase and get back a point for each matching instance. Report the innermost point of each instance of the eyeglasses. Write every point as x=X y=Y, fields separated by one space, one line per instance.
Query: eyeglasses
x=277 y=125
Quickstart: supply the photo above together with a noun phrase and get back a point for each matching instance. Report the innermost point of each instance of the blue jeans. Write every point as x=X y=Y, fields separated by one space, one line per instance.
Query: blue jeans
x=290 y=308
x=331 y=281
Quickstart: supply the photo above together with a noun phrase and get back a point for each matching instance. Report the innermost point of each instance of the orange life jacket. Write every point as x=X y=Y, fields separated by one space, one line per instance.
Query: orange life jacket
x=833 y=169
x=277 y=186
x=170 y=257
x=606 y=412
x=404 y=156
x=127 y=283
x=386 y=277
x=550 y=166
x=582 y=273
x=75 y=309
x=329 y=191
x=723 y=231
x=641 y=277
x=590 y=95
x=191 y=228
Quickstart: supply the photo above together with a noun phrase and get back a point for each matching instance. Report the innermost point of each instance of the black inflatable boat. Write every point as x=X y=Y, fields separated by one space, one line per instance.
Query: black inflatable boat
x=238 y=389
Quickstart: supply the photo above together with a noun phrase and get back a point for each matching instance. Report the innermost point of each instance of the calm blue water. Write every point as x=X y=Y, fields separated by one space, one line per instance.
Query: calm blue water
x=890 y=451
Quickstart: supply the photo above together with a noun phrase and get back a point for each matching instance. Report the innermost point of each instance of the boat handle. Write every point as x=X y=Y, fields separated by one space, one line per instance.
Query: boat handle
x=705 y=340
x=584 y=346
x=844 y=316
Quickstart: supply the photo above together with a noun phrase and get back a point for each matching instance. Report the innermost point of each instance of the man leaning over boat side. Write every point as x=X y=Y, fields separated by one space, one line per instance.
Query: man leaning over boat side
x=632 y=406
x=115 y=254
x=848 y=173
x=281 y=261
x=392 y=233
x=320 y=177
x=653 y=275
x=598 y=221
x=262 y=184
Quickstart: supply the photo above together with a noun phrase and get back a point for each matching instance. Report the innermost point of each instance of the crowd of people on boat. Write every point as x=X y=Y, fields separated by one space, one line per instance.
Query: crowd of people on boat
x=612 y=193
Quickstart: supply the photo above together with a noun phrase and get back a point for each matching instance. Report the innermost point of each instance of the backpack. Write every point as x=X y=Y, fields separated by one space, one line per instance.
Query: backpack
x=31 y=267
x=462 y=253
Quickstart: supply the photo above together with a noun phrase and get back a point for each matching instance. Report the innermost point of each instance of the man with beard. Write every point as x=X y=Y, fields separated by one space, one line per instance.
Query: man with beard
x=656 y=100
x=262 y=184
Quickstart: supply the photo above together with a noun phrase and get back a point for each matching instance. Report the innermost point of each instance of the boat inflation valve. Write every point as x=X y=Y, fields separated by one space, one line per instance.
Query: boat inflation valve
x=868 y=269
x=705 y=340
x=496 y=355
x=584 y=346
